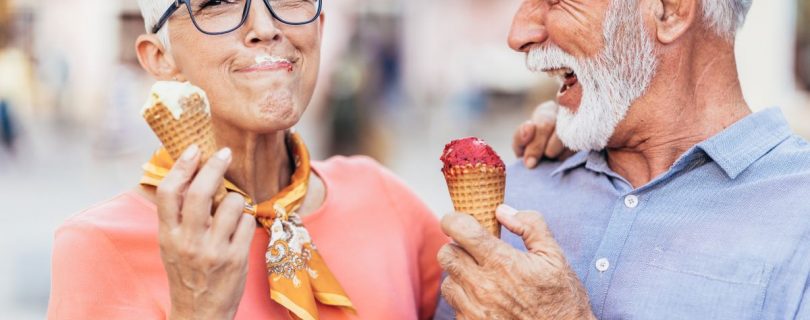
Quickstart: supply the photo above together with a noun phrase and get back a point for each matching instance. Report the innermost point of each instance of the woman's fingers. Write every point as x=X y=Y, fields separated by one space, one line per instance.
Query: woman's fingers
x=196 y=211
x=243 y=236
x=227 y=217
x=170 y=191
x=555 y=147
x=522 y=137
x=544 y=119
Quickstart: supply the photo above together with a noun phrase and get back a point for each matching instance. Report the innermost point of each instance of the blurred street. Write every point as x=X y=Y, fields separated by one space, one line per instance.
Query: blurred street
x=399 y=79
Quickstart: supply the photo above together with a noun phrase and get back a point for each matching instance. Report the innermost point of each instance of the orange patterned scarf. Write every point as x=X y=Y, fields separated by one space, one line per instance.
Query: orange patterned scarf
x=297 y=274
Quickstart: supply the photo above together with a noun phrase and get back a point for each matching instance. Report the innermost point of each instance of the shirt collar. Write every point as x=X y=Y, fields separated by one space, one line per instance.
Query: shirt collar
x=574 y=161
x=743 y=143
x=734 y=149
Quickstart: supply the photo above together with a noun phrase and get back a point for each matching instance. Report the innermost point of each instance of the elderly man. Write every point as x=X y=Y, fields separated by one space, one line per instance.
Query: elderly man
x=681 y=203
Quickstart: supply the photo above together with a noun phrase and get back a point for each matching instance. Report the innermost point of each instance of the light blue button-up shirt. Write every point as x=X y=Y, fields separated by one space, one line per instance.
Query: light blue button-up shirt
x=724 y=234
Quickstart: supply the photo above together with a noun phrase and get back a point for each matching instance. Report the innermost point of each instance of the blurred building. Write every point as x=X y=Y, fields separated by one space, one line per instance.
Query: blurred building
x=398 y=80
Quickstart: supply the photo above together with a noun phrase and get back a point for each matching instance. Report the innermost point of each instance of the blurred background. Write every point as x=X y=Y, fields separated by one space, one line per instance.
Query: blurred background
x=399 y=79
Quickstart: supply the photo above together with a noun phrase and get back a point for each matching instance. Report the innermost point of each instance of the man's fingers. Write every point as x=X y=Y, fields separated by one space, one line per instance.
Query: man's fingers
x=169 y=192
x=470 y=236
x=227 y=216
x=454 y=295
x=457 y=262
x=522 y=137
x=457 y=297
x=531 y=227
x=196 y=209
x=554 y=147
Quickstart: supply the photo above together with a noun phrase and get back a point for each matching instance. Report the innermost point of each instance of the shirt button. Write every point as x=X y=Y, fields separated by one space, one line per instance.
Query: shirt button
x=602 y=264
x=631 y=201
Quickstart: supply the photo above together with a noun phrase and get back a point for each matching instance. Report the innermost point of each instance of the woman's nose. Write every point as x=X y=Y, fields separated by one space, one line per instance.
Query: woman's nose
x=528 y=26
x=261 y=25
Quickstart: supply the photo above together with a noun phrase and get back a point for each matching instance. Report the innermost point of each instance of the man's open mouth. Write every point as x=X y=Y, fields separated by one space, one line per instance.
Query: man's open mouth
x=566 y=76
x=570 y=93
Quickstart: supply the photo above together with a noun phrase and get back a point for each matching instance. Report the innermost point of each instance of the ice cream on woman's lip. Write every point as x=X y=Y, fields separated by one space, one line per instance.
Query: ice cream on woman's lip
x=266 y=62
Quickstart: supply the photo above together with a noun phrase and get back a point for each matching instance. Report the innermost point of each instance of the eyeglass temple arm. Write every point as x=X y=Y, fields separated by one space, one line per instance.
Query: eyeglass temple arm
x=168 y=14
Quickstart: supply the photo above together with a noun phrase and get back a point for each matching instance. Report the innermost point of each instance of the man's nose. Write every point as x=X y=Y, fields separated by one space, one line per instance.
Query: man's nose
x=528 y=26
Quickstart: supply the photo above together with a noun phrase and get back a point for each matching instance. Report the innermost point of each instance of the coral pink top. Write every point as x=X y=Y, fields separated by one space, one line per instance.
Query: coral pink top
x=378 y=239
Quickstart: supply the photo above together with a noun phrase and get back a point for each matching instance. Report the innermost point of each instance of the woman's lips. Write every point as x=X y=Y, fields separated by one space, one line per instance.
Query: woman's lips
x=271 y=66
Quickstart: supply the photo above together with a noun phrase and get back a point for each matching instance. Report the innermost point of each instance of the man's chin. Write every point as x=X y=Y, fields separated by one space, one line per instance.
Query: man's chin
x=580 y=134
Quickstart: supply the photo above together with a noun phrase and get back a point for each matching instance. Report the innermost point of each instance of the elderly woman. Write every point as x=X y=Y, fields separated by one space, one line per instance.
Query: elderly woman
x=339 y=239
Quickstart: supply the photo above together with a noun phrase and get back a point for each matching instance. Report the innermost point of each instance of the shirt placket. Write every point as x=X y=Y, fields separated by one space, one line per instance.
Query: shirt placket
x=604 y=262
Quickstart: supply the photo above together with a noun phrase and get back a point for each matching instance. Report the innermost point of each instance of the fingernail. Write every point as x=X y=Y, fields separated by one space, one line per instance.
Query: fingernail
x=190 y=153
x=506 y=210
x=224 y=154
x=531 y=162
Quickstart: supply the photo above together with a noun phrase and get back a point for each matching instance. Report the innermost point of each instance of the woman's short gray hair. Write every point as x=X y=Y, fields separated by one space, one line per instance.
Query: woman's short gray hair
x=725 y=17
x=152 y=10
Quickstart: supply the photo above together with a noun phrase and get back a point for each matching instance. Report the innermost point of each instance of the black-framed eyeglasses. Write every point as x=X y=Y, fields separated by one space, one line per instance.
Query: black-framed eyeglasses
x=215 y=17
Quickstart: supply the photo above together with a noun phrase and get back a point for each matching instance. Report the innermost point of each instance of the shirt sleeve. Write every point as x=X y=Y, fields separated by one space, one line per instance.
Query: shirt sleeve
x=91 y=280
x=430 y=241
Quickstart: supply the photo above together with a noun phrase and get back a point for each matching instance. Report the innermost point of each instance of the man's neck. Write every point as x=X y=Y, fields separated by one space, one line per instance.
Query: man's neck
x=695 y=95
x=261 y=164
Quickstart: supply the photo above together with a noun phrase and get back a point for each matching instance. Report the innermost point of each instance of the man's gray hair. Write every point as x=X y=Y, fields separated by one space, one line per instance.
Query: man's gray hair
x=725 y=17
x=152 y=10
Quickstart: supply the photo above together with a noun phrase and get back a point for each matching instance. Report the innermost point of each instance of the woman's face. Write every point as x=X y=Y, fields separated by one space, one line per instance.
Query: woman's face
x=260 y=77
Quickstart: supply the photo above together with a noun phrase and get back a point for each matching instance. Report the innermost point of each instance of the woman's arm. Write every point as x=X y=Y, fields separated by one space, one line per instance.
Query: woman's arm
x=428 y=239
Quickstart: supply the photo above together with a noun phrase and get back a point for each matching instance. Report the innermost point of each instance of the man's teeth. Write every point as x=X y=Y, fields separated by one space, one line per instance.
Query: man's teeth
x=560 y=73
x=564 y=76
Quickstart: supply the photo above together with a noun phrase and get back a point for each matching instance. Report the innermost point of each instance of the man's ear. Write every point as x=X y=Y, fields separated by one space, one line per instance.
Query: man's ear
x=154 y=58
x=674 y=17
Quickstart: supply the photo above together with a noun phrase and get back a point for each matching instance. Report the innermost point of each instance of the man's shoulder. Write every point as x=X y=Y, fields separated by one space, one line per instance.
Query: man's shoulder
x=518 y=174
x=790 y=158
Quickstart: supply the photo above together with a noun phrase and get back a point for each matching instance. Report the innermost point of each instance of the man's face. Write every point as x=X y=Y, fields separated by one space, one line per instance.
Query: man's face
x=600 y=52
x=259 y=77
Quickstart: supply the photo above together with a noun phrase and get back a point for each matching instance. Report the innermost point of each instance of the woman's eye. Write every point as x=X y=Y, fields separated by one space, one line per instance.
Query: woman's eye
x=214 y=3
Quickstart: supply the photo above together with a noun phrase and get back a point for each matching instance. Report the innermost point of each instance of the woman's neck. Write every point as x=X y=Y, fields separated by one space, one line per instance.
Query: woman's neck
x=261 y=164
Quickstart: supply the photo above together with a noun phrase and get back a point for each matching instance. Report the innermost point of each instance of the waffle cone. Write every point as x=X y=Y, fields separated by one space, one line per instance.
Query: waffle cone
x=193 y=127
x=477 y=190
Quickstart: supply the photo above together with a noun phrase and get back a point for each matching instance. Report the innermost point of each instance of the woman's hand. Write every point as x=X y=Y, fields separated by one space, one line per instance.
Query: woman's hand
x=536 y=138
x=205 y=256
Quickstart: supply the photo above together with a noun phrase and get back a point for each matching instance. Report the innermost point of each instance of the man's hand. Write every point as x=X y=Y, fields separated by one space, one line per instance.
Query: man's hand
x=536 y=138
x=488 y=279
x=205 y=257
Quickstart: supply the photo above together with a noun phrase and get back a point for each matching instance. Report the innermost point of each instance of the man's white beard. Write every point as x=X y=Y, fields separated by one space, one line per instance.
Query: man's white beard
x=610 y=82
